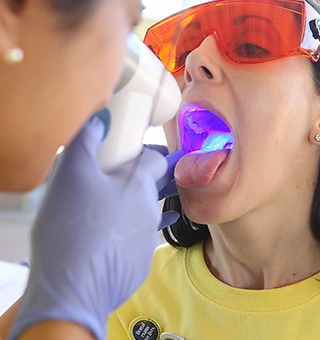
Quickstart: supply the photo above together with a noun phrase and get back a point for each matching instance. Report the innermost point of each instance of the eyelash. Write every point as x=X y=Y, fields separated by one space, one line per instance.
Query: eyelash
x=181 y=55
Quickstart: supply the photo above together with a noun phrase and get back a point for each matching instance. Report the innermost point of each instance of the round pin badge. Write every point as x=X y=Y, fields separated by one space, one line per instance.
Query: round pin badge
x=144 y=328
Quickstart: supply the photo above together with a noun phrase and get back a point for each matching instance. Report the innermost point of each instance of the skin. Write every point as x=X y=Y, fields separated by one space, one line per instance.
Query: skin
x=65 y=77
x=258 y=205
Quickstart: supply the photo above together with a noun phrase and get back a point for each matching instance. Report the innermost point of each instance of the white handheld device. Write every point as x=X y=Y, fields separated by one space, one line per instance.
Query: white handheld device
x=146 y=95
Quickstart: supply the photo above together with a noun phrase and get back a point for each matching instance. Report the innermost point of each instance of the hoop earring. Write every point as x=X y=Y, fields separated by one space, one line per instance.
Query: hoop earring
x=317 y=137
x=13 y=55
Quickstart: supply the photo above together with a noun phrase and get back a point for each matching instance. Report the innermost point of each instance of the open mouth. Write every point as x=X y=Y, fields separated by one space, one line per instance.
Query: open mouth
x=203 y=130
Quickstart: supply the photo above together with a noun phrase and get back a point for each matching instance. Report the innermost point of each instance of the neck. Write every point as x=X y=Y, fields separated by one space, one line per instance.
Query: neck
x=245 y=255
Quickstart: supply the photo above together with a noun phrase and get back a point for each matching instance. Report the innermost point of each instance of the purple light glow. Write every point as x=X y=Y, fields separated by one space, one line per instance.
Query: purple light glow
x=203 y=130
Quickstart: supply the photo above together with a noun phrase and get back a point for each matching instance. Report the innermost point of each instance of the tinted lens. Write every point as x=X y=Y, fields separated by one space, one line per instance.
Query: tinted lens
x=257 y=32
x=246 y=31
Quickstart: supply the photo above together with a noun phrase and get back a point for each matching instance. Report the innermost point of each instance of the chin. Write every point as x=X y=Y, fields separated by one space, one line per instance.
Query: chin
x=205 y=209
x=197 y=211
x=21 y=180
x=19 y=185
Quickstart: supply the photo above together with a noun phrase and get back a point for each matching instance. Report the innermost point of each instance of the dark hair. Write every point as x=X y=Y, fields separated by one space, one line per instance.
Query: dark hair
x=73 y=12
x=185 y=233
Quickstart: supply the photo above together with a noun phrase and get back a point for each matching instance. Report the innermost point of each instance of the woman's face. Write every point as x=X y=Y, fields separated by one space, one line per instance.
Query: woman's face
x=66 y=76
x=273 y=111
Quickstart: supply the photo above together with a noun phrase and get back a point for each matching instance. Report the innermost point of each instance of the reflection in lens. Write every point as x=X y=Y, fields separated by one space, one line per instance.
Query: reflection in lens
x=203 y=130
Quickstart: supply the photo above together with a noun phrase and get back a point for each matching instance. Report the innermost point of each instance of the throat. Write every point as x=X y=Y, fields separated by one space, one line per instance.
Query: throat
x=250 y=269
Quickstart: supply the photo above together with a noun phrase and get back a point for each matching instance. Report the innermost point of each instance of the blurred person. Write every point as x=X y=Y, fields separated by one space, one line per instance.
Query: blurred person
x=94 y=235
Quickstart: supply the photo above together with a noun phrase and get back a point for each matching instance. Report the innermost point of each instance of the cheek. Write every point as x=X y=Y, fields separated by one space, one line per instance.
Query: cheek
x=172 y=138
x=107 y=34
x=107 y=66
x=205 y=207
x=108 y=70
x=171 y=127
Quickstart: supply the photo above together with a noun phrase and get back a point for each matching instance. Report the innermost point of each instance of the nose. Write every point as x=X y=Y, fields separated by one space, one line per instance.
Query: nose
x=204 y=63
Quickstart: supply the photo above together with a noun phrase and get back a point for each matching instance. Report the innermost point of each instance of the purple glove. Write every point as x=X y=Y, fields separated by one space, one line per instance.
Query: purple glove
x=167 y=185
x=94 y=236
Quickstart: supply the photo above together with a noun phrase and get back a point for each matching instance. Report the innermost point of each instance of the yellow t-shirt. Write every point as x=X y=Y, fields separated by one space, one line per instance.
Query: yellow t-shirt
x=182 y=297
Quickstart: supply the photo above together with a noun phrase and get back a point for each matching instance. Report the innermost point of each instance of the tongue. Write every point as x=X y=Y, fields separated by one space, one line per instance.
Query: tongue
x=196 y=169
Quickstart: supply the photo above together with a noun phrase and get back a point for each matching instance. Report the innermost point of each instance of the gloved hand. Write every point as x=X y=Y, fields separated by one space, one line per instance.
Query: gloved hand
x=167 y=185
x=94 y=236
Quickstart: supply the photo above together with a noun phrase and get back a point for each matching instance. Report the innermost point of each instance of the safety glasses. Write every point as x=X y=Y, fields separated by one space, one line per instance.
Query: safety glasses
x=246 y=31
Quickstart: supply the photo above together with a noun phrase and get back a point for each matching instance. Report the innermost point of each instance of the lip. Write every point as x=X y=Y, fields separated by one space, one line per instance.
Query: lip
x=223 y=165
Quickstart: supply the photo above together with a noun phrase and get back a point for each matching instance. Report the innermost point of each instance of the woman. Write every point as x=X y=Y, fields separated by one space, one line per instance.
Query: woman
x=60 y=61
x=246 y=257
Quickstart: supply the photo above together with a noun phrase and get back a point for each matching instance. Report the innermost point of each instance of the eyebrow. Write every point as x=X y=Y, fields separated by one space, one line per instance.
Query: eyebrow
x=243 y=18
x=194 y=24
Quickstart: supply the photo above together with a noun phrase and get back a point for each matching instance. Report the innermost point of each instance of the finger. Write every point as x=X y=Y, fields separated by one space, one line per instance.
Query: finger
x=88 y=139
x=168 y=218
x=169 y=190
x=160 y=148
x=172 y=159
x=156 y=163
x=104 y=115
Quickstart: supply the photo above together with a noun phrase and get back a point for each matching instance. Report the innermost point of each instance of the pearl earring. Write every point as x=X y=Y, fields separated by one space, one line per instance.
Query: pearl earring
x=13 y=55
x=317 y=137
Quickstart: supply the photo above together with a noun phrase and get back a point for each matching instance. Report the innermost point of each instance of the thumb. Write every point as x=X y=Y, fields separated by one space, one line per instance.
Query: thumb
x=168 y=218
x=89 y=138
x=82 y=150
x=105 y=116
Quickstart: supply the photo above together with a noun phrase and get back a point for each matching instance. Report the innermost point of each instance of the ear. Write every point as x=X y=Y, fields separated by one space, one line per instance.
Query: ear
x=8 y=24
x=314 y=132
